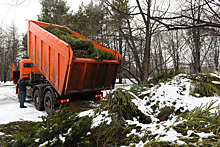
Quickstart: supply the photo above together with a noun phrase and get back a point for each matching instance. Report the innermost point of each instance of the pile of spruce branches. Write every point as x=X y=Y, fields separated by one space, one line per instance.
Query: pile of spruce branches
x=81 y=48
x=205 y=84
x=61 y=129
x=200 y=121
x=116 y=110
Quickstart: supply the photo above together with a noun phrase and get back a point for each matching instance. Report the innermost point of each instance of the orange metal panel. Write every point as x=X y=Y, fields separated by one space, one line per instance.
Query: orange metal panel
x=96 y=45
x=48 y=53
x=82 y=77
x=68 y=74
x=27 y=71
x=91 y=76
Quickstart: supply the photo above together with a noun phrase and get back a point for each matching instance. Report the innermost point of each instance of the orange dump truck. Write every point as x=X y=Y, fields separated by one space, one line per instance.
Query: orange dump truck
x=56 y=74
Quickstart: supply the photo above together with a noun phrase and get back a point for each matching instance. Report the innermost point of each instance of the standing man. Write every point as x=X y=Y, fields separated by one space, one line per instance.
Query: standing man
x=22 y=91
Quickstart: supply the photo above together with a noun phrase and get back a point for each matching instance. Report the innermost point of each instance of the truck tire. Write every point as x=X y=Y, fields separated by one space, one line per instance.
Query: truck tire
x=48 y=103
x=38 y=103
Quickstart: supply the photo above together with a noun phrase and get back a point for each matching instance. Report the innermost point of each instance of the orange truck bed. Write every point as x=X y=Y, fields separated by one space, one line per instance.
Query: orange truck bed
x=66 y=73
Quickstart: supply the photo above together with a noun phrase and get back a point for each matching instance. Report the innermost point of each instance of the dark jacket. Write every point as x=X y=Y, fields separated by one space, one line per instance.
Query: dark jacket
x=22 y=85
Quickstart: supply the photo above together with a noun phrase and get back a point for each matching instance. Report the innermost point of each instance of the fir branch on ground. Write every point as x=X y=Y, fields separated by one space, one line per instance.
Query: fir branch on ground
x=162 y=77
x=120 y=103
x=60 y=129
x=11 y=129
x=204 y=84
x=119 y=121
x=120 y=108
x=200 y=121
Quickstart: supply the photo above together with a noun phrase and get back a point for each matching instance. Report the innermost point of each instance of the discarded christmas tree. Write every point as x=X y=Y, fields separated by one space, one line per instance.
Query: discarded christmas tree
x=81 y=48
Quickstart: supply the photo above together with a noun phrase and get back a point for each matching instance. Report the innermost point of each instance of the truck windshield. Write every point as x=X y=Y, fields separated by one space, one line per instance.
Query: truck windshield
x=28 y=65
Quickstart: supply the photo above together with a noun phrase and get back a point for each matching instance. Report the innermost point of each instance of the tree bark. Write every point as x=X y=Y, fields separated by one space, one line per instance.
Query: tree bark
x=146 y=60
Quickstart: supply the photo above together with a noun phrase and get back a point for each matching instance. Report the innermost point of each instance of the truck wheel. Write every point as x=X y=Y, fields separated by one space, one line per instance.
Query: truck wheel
x=39 y=105
x=48 y=102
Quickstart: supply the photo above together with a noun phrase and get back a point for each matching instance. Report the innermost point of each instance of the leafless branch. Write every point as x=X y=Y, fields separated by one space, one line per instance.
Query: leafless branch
x=127 y=70
x=202 y=23
x=159 y=65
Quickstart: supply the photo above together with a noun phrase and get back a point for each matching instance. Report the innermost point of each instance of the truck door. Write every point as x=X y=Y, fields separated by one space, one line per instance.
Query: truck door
x=15 y=73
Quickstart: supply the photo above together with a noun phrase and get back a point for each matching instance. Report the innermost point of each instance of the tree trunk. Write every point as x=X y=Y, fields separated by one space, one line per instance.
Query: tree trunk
x=4 y=79
x=146 y=61
x=196 y=36
x=120 y=51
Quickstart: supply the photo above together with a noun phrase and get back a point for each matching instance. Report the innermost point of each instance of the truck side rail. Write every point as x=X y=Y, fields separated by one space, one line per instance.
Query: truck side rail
x=50 y=54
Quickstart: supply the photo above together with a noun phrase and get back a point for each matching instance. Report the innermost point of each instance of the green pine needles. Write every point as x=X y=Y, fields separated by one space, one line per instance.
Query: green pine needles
x=205 y=84
x=200 y=122
x=120 y=108
x=62 y=129
x=120 y=103
x=81 y=48
x=118 y=121
x=162 y=77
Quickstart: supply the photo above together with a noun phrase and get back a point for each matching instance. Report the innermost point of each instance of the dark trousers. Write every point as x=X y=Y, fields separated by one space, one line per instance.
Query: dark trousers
x=22 y=97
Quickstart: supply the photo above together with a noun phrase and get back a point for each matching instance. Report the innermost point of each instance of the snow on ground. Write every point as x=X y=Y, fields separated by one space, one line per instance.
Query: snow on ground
x=176 y=92
x=166 y=94
x=10 y=108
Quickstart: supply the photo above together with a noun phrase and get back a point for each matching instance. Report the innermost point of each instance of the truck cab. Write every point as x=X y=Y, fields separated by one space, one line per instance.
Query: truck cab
x=22 y=70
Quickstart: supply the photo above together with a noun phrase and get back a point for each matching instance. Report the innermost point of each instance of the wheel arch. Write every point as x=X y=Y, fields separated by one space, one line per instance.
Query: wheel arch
x=53 y=92
x=54 y=99
x=41 y=89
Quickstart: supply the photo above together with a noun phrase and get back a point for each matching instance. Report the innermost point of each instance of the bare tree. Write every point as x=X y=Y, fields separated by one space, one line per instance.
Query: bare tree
x=9 y=50
x=138 y=34
x=2 y=37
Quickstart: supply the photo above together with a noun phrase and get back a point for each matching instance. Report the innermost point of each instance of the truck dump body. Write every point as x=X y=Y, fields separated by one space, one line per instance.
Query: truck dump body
x=66 y=73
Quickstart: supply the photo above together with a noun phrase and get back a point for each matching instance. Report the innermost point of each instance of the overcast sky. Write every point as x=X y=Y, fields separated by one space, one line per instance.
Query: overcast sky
x=10 y=12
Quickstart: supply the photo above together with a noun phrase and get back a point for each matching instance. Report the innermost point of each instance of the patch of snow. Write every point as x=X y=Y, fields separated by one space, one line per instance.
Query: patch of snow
x=62 y=138
x=216 y=74
x=88 y=113
x=204 y=135
x=189 y=132
x=68 y=132
x=215 y=82
x=102 y=117
x=2 y=133
x=88 y=133
x=37 y=140
x=44 y=144
x=172 y=136
x=10 y=108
